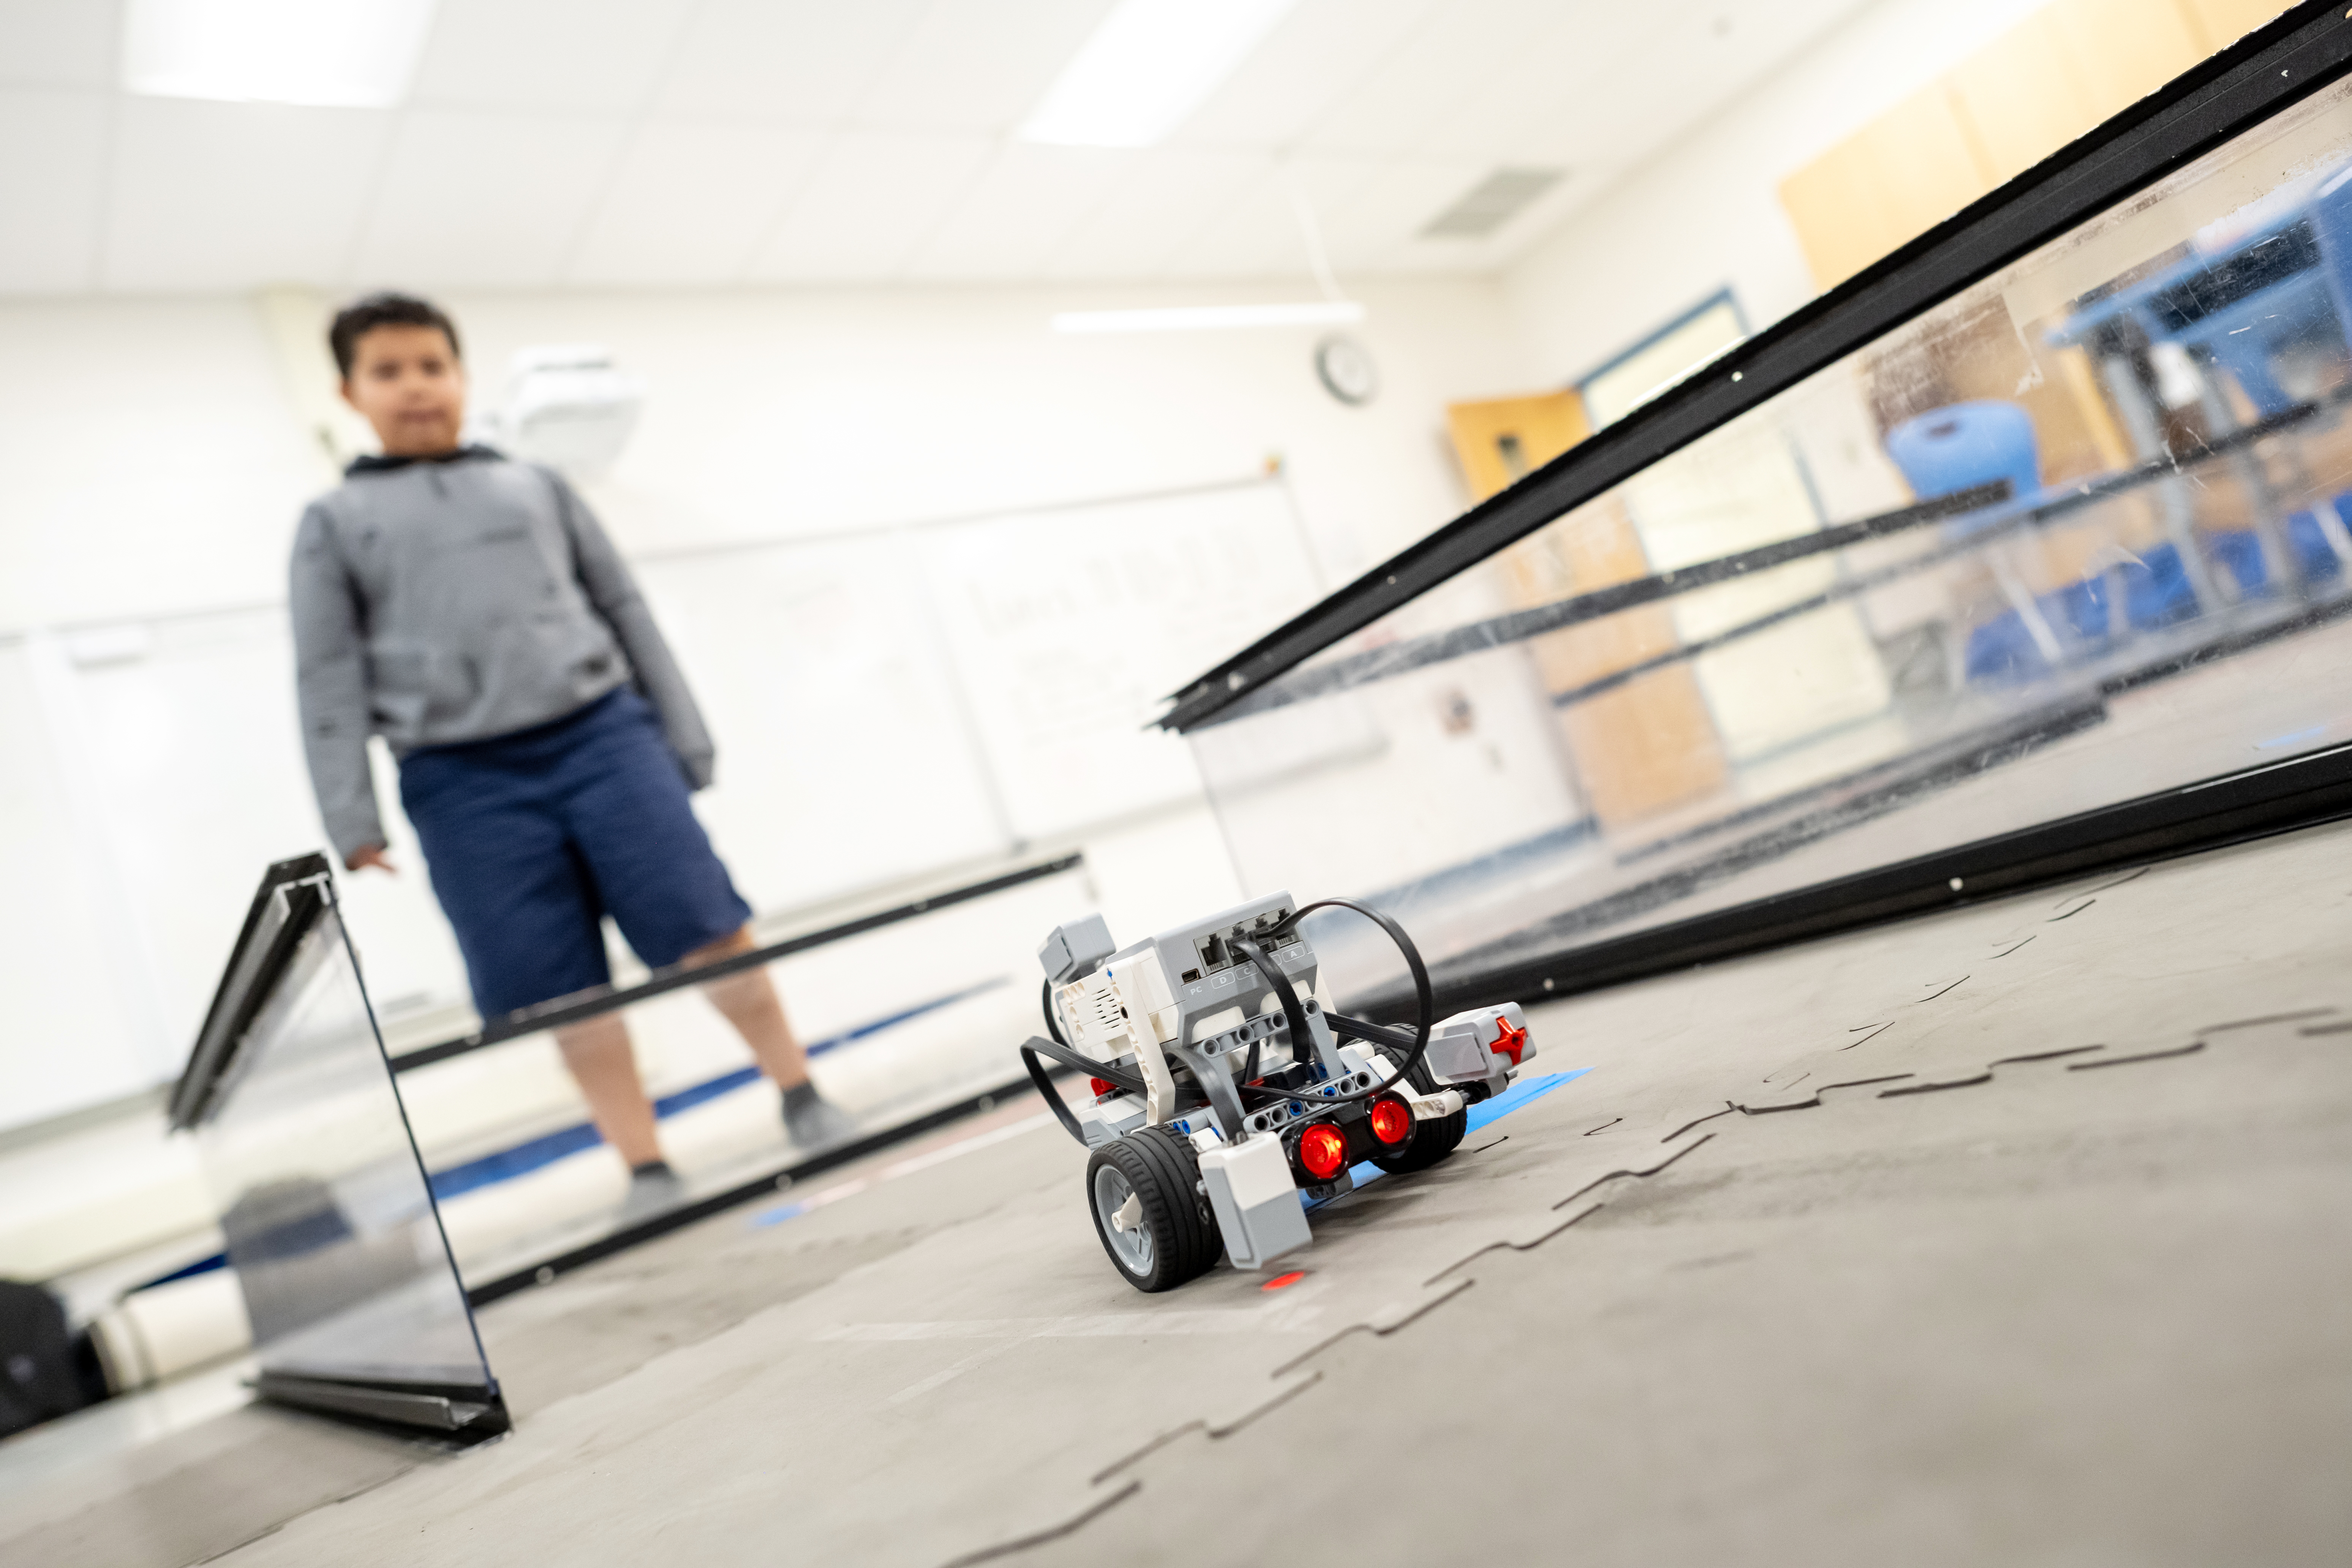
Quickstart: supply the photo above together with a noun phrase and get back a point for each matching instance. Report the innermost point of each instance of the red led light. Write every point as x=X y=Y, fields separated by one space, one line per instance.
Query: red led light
x=1392 y=1119
x=1322 y=1150
x=1508 y=1041
x=1283 y=1281
x=1101 y=1086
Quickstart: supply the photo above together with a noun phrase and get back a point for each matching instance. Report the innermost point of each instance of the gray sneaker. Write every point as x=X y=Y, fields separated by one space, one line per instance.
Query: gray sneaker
x=815 y=1122
x=653 y=1189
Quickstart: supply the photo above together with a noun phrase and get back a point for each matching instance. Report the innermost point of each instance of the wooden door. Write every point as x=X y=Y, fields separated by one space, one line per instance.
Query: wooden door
x=1650 y=744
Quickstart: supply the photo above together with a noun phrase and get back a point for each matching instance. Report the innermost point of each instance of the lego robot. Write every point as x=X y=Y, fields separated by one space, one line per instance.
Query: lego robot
x=1224 y=1090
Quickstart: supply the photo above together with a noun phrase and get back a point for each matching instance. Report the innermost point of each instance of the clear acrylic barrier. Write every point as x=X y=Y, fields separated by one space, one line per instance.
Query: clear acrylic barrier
x=349 y=1285
x=2075 y=535
x=902 y=1023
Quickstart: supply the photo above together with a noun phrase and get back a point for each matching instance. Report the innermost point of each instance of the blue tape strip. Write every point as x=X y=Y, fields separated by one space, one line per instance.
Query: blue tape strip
x=544 y=1151
x=538 y=1152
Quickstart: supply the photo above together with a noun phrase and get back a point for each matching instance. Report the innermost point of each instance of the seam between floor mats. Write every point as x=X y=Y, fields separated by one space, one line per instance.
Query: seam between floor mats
x=1814 y=1100
x=2189 y=1049
x=1507 y=1245
x=2265 y=1018
x=1984 y=1076
x=2044 y=1056
x=1381 y=1332
x=1653 y=1170
x=1051 y=1533
x=1728 y=1109
x=1214 y=1434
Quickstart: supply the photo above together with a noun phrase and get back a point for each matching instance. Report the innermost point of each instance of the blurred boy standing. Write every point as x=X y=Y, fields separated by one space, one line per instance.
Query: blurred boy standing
x=472 y=612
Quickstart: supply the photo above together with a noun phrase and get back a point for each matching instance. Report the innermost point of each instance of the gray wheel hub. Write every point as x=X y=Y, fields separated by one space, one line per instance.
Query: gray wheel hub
x=1118 y=1209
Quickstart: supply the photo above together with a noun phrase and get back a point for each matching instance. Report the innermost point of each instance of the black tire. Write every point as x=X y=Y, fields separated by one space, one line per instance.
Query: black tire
x=1175 y=1239
x=1431 y=1141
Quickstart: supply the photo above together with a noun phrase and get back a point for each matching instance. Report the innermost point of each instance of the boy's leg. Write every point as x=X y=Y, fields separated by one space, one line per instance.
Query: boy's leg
x=605 y=1066
x=527 y=916
x=749 y=1001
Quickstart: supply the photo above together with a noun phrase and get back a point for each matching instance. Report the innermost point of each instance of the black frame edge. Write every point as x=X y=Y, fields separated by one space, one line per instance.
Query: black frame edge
x=251 y=971
x=385 y=1403
x=2258 y=803
x=514 y=1026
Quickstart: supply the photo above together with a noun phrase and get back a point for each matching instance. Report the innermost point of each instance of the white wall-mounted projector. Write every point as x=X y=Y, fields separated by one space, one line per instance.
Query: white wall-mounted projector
x=567 y=405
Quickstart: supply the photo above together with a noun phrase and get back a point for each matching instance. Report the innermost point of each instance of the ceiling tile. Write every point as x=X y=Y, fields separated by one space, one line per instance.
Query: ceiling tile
x=57 y=43
x=689 y=202
x=1454 y=57
x=1162 y=199
x=977 y=65
x=234 y=196
x=1391 y=206
x=1616 y=49
x=1015 y=216
x=1311 y=57
x=547 y=53
x=1672 y=71
x=803 y=60
x=1259 y=234
x=874 y=198
x=52 y=188
x=481 y=200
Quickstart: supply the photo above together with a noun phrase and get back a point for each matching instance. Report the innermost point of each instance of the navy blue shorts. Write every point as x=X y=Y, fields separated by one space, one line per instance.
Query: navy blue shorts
x=532 y=838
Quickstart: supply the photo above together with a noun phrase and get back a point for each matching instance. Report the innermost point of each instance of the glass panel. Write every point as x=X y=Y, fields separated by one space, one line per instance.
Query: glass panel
x=2074 y=536
x=323 y=1202
x=899 y=1022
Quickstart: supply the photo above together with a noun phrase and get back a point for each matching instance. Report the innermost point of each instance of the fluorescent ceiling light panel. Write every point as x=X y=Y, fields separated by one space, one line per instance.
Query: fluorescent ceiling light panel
x=1146 y=67
x=1210 y=318
x=334 y=54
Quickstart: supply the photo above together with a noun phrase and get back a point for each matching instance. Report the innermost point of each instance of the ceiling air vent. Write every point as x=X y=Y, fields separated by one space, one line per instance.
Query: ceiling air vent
x=1491 y=202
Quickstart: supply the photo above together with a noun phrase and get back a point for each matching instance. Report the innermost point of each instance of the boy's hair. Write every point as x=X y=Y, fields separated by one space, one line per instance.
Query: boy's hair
x=369 y=311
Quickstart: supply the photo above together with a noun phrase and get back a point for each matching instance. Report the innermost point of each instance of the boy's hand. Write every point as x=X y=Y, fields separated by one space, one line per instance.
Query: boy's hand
x=371 y=855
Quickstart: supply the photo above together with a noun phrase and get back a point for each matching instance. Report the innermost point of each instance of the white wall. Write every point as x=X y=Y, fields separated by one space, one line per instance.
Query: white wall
x=152 y=463
x=1705 y=212
x=780 y=413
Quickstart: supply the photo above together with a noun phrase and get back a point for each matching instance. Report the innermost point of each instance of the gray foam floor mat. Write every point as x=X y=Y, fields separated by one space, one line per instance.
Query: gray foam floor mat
x=2015 y=1234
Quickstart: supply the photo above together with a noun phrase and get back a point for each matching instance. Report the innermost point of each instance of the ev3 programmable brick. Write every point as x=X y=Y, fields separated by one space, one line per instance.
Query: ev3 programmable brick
x=1076 y=948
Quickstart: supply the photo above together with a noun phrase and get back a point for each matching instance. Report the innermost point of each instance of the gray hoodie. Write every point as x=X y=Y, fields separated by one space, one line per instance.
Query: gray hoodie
x=454 y=599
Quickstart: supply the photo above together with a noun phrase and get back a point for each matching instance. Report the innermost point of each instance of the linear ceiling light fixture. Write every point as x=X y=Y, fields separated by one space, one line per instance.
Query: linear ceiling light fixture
x=1146 y=67
x=332 y=53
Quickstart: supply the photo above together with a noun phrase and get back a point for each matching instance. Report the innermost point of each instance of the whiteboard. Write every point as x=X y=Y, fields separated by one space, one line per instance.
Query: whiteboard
x=1071 y=627
x=888 y=704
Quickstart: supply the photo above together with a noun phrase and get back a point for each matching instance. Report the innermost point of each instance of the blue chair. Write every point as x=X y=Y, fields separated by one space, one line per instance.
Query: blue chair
x=1964 y=445
x=1957 y=449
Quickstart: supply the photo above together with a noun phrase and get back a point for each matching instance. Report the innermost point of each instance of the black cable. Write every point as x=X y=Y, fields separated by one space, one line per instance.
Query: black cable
x=1053 y=1024
x=1117 y=1078
x=1053 y=1097
x=1294 y=1013
x=1371 y=1034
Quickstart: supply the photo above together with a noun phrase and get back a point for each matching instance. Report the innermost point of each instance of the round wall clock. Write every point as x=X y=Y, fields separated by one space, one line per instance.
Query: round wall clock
x=1346 y=369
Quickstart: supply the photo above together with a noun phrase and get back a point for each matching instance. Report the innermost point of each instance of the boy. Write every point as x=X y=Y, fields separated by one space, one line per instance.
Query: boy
x=472 y=612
